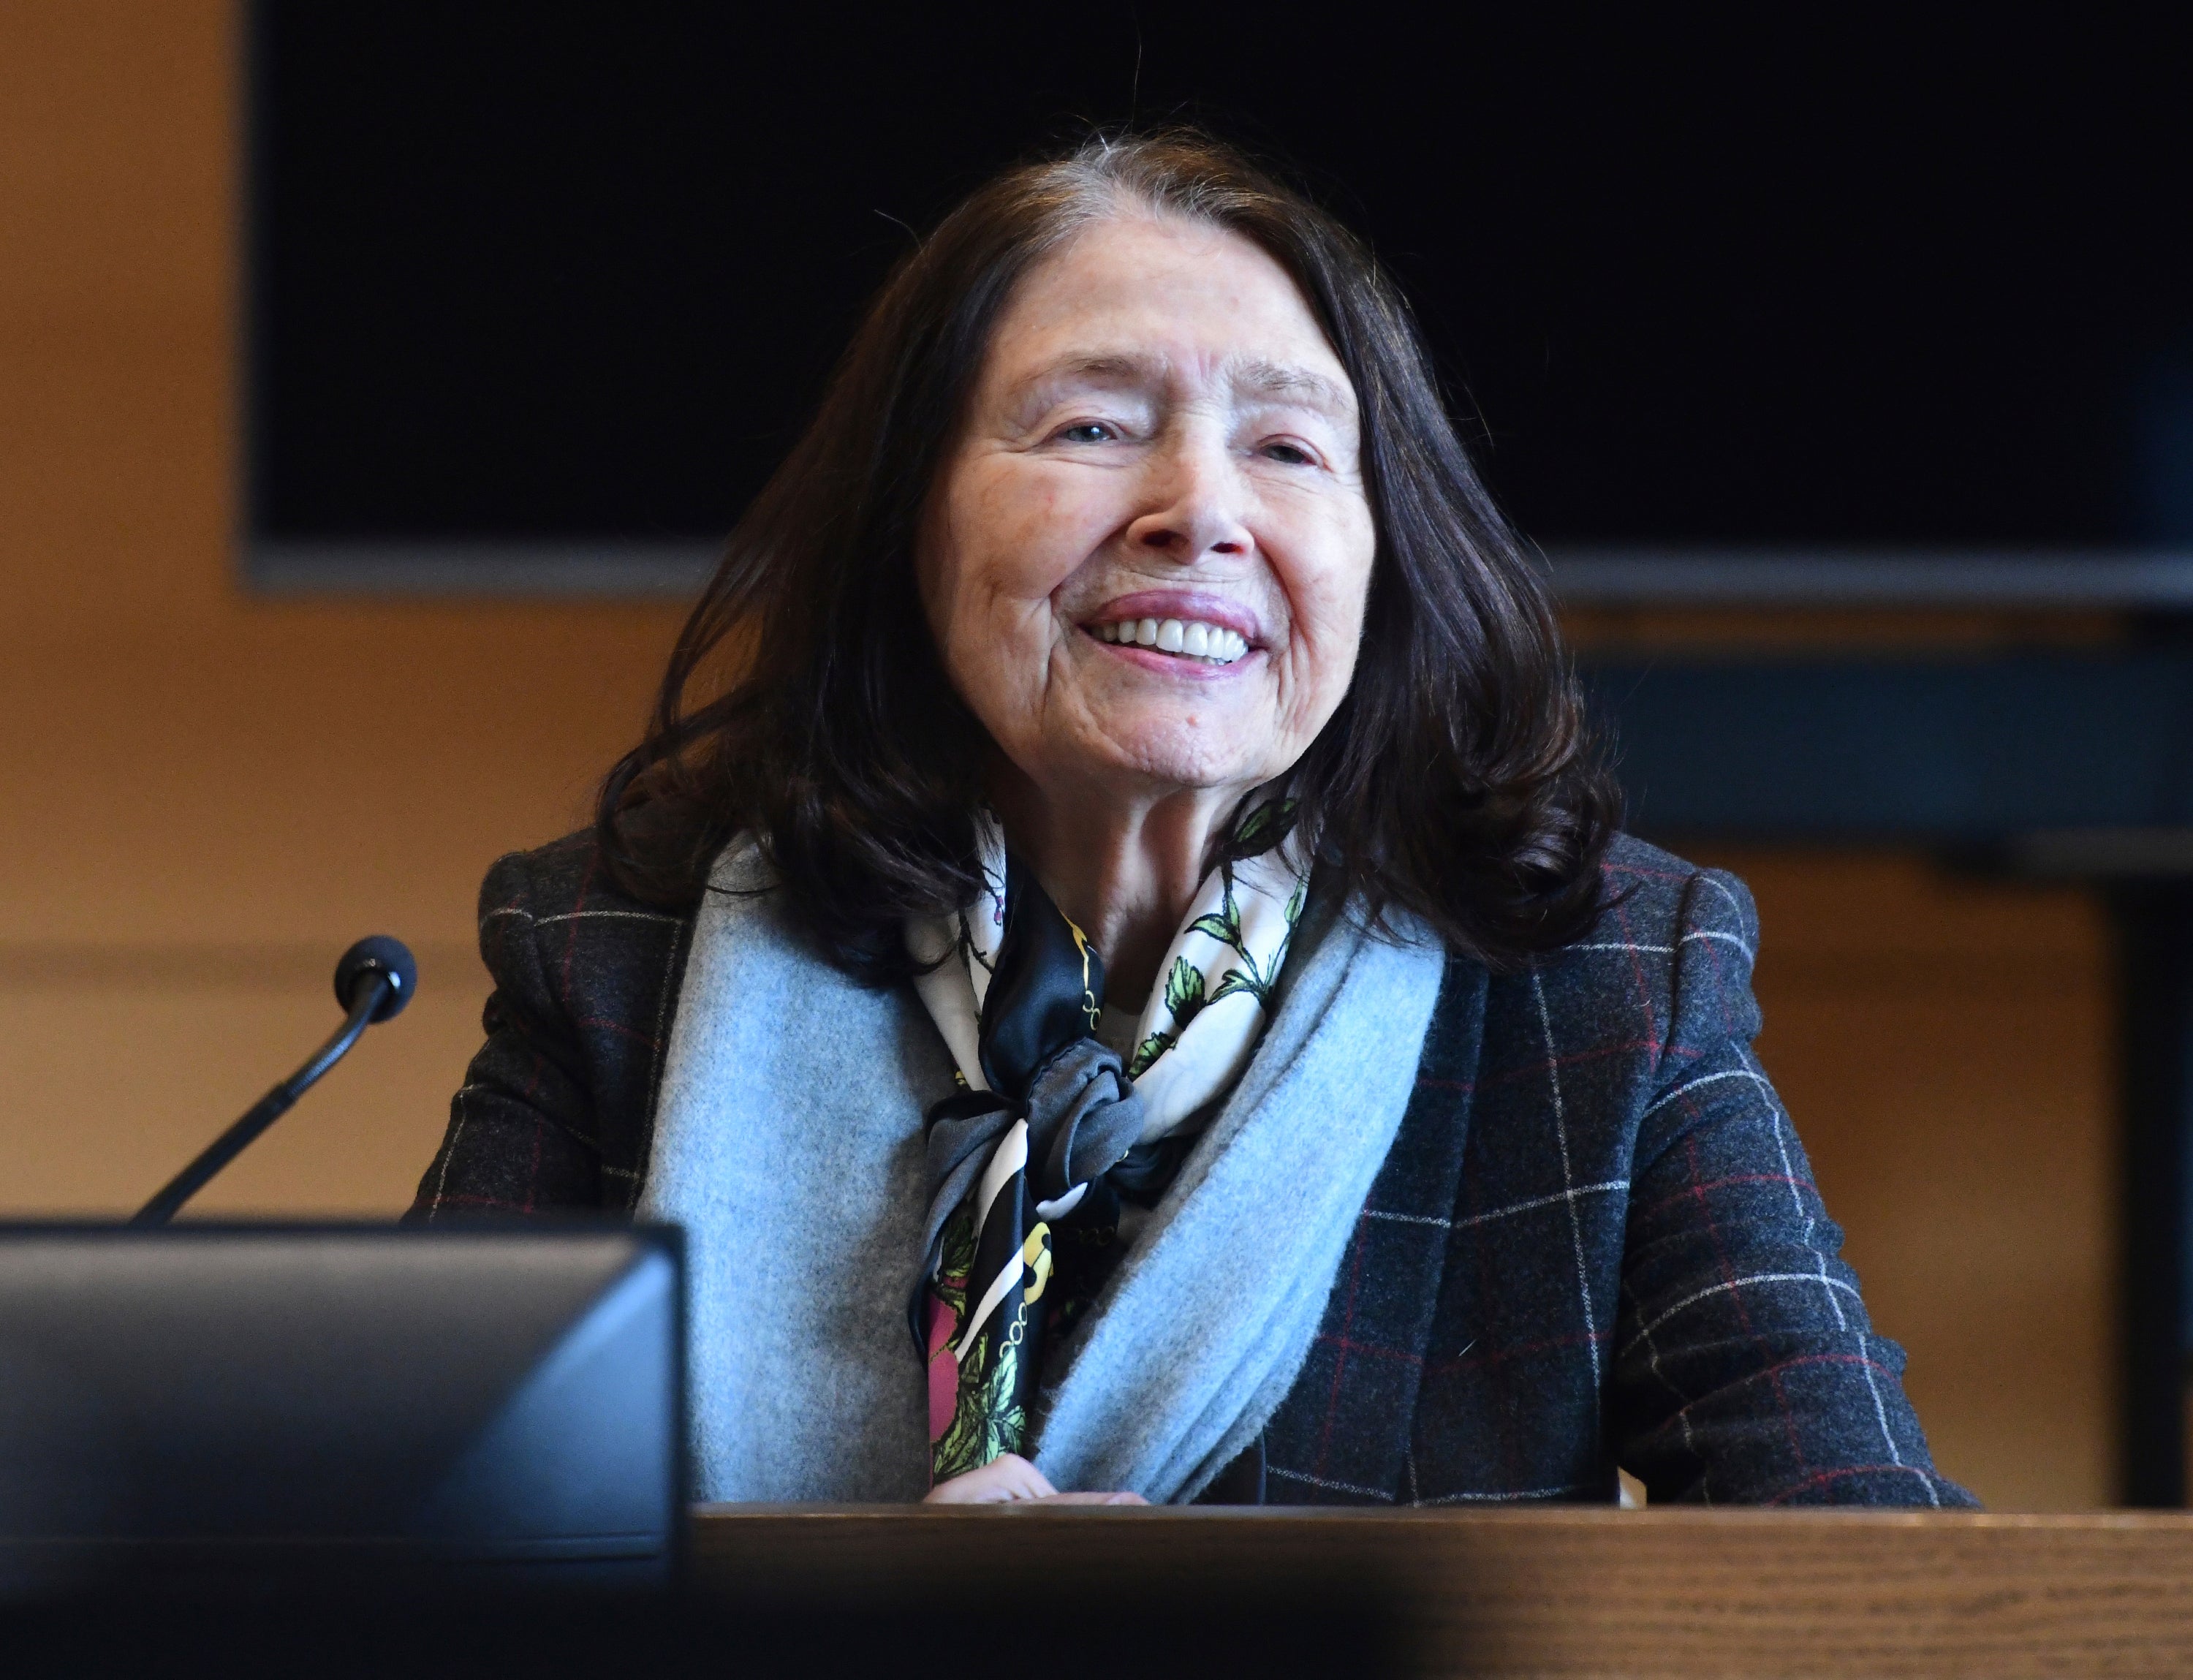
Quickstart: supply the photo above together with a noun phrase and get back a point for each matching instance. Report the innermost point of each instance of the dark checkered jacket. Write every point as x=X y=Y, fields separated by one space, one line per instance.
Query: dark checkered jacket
x=1596 y=1241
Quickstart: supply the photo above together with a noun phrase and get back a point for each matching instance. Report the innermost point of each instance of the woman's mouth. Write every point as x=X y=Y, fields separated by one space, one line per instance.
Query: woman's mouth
x=1183 y=638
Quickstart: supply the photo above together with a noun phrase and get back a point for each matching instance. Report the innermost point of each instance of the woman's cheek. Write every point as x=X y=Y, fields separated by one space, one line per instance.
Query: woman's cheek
x=1060 y=528
x=1325 y=640
x=1021 y=517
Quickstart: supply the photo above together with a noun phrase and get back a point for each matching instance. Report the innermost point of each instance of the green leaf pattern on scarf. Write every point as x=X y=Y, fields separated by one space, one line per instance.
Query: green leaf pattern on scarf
x=1187 y=989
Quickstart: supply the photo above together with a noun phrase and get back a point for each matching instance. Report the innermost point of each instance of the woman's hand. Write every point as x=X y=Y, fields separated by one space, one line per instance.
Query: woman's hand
x=1009 y=1476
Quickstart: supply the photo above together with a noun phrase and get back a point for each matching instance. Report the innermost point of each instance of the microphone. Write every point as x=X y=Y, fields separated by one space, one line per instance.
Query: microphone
x=374 y=981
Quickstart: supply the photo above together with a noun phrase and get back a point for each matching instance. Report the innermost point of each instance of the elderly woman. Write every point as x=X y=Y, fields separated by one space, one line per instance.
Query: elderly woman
x=1116 y=951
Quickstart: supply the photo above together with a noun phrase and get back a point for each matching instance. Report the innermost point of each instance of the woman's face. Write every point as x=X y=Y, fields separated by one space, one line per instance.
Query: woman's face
x=1147 y=559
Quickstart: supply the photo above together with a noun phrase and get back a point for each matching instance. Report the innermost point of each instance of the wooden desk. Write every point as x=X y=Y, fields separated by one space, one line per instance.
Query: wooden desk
x=1539 y=1592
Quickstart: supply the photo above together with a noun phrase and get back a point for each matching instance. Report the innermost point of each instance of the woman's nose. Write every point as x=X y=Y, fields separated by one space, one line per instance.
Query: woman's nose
x=1195 y=507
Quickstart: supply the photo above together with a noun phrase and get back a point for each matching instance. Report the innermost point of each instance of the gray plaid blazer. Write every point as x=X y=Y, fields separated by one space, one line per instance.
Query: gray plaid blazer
x=1596 y=1242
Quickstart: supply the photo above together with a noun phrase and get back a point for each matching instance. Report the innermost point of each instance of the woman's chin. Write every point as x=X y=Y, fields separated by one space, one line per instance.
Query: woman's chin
x=1181 y=759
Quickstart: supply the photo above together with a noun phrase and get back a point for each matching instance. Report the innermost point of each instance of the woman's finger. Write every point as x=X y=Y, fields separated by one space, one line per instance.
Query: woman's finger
x=1093 y=1499
x=1006 y=1477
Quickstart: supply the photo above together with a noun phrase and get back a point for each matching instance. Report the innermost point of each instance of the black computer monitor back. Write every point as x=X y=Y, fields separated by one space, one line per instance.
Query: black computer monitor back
x=205 y=1406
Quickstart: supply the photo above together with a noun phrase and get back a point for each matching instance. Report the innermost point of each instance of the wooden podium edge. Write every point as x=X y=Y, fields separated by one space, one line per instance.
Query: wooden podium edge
x=1539 y=1590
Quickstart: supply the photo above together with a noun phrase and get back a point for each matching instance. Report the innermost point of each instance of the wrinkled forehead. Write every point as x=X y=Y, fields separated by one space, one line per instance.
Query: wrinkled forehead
x=1143 y=298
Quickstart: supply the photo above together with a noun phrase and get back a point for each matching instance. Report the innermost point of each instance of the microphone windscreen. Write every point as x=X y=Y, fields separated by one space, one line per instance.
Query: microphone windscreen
x=378 y=954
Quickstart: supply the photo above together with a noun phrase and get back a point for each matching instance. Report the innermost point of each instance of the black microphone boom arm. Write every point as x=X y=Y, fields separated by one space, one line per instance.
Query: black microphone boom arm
x=374 y=981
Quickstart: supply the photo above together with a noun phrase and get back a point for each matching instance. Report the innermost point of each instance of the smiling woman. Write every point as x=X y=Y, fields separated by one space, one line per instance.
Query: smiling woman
x=1031 y=292
x=1116 y=950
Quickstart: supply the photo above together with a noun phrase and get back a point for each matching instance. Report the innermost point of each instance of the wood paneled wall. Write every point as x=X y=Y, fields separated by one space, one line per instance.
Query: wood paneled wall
x=204 y=797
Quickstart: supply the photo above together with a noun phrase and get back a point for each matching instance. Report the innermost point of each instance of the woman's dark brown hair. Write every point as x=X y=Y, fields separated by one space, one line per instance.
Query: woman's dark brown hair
x=1456 y=780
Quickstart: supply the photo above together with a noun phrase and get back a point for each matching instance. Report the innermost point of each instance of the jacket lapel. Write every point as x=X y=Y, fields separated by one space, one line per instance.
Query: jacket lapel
x=1341 y=1435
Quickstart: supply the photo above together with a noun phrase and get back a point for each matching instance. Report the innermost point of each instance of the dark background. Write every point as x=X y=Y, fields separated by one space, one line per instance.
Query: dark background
x=577 y=271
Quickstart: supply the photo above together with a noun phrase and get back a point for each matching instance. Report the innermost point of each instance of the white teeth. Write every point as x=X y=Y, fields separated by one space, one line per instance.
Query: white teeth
x=1183 y=636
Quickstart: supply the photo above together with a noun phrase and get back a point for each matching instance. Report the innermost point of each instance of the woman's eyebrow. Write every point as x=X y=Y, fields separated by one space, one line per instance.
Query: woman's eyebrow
x=1254 y=376
x=1111 y=367
x=1261 y=378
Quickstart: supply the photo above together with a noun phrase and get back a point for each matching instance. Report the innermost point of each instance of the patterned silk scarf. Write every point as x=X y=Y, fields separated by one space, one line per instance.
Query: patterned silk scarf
x=1029 y=1165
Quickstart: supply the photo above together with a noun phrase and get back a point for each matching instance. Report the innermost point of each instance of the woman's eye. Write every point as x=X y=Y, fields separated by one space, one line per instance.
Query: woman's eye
x=1086 y=432
x=1291 y=455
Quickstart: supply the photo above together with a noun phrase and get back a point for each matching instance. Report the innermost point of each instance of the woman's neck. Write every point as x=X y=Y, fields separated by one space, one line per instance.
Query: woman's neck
x=1123 y=869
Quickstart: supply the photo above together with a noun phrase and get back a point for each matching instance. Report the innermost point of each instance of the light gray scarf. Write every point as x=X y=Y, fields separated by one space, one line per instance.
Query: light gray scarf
x=788 y=1144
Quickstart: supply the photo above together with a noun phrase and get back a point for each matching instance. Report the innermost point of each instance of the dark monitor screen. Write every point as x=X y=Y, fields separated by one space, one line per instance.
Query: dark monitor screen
x=335 y=1405
x=567 y=279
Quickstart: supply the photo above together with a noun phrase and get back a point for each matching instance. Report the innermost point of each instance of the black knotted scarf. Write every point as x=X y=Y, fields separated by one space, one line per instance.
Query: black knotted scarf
x=1008 y=1277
